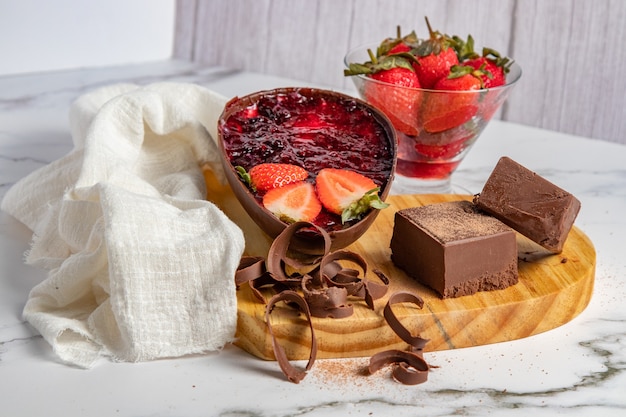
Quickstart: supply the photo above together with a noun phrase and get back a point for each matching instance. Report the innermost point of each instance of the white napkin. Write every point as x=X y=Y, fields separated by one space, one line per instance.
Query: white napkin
x=140 y=266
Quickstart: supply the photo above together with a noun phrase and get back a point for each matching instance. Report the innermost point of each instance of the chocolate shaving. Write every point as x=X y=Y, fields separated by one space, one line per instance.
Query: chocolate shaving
x=326 y=302
x=278 y=255
x=250 y=268
x=292 y=373
x=417 y=343
x=349 y=279
x=326 y=286
x=411 y=368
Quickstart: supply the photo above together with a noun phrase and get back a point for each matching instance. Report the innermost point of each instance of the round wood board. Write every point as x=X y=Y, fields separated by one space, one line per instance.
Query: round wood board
x=552 y=290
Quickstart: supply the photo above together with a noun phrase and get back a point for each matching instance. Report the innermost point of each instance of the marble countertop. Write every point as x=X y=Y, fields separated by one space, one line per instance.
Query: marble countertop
x=578 y=369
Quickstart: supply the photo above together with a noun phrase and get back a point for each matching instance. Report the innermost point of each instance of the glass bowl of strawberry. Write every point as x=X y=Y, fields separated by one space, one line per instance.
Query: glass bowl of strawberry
x=439 y=94
x=308 y=155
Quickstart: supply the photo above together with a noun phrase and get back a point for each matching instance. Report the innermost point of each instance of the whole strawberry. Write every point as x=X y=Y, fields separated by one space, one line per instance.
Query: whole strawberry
x=493 y=67
x=399 y=104
x=395 y=73
x=442 y=111
x=435 y=57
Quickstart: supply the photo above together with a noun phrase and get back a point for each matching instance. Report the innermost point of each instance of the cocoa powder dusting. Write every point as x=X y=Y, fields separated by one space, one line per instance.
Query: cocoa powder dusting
x=455 y=220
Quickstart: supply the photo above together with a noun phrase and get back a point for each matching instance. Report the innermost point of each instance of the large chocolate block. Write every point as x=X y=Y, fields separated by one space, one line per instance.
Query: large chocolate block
x=530 y=204
x=454 y=249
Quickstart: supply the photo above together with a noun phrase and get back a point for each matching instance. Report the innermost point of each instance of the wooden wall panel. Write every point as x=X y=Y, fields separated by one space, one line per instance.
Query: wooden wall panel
x=571 y=54
x=185 y=29
x=569 y=50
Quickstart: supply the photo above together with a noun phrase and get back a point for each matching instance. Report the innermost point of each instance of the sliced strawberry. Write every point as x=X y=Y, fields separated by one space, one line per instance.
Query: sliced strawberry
x=266 y=176
x=294 y=202
x=347 y=193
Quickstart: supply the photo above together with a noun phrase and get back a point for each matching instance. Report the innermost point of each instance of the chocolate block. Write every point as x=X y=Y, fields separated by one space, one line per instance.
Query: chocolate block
x=528 y=203
x=454 y=249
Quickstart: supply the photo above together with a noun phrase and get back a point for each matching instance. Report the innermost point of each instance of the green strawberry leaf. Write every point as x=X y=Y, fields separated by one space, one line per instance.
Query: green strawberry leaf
x=401 y=60
x=245 y=177
x=369 y=200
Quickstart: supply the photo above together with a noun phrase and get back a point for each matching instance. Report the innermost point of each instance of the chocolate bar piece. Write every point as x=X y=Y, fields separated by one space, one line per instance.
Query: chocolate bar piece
x=454 y=249
x=528 y=203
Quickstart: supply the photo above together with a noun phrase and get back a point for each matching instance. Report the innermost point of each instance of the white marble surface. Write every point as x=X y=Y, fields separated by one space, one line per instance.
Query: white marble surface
x=578 y=369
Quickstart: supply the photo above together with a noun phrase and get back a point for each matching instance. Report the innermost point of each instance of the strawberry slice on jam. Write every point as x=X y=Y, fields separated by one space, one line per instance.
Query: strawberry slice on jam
x=266 y=176
x=347 y=193
x=294 y=202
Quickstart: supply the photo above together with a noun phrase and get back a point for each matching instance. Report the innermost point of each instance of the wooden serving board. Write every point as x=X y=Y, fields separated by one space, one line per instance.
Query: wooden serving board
x=552 y=290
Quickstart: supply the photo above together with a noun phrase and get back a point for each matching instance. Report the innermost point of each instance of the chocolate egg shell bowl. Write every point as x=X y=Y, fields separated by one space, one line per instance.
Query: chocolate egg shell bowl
x=313 y=129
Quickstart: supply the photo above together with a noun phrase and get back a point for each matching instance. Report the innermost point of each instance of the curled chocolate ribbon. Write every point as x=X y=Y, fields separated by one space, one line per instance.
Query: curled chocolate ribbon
x=278 y=256
x=335 y=275
x=417 y=343
x=292 y=373
x=411 y=368
x=250 y=268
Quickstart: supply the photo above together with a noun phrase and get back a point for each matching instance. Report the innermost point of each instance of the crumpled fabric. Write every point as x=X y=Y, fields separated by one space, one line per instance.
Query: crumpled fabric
x=140 y=263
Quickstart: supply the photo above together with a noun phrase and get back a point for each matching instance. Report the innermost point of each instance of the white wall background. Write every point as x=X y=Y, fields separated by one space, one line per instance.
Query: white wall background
x=42 y=35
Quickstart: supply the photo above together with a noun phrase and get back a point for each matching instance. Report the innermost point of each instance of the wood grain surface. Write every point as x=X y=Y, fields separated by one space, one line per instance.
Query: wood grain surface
x=553 y=289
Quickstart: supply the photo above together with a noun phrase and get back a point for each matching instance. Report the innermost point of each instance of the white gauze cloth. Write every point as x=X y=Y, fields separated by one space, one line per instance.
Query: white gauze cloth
x=140 y=265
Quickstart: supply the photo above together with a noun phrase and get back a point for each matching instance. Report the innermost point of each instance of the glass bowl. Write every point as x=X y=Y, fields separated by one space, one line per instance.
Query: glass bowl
x=435 y=128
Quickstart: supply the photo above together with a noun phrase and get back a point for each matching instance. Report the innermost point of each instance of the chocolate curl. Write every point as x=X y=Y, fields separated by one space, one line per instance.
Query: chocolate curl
x=326 y=302
x=293 y=374
x=411 y=367
x=278 y=257
x=349 y=279
x=250 y=268
x=417 y=343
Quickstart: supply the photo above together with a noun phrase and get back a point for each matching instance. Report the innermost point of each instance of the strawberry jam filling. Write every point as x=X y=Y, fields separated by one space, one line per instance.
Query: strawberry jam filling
x=311 y=131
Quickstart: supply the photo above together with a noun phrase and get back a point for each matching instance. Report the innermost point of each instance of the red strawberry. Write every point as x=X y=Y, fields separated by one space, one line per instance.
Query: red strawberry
x=443 y=111
x=294 y=202
x=266 y=176
x=347 y=193
x=398 y=76
x=391 y=96
x=398 y=103
x=493 y=66
x=435 y=57
x=397 y=45
x=442 y=150
x=434 y=66
x=399 y=48
x=493 y=75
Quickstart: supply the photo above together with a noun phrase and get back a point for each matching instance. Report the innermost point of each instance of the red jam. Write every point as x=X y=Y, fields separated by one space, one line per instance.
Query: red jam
x=313 y=131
